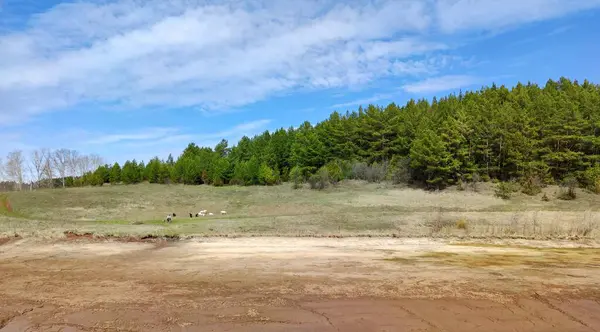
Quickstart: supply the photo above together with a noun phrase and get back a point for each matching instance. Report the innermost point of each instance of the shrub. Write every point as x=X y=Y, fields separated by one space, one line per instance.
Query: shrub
x=334 y=170
x=485 y=178
x=504 y=190
x=475 y=179
x=266 y=175
x=568 y=189
x=236 y=182
x=590 y=179
x=218 y=182
x=461 y=224
x=319 y=180
x=531 y=185
x=398 y=170
x=545 y=198
x=346 y=167
x=460 y=185
x=376 y=172
x=359 y=171
x=296 y=177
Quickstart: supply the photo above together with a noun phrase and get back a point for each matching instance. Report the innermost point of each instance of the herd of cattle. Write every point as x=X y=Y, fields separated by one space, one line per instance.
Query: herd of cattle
x=202 y=213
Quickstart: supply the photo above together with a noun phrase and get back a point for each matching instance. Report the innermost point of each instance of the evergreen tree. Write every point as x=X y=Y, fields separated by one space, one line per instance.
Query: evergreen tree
x=115 y=174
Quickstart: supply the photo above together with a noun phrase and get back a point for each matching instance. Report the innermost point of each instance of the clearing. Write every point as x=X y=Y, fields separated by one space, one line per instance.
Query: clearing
x=357 y=257
x=350 y=209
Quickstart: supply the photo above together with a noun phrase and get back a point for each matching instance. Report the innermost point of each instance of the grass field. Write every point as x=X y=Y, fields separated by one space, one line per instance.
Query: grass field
x=350 y=209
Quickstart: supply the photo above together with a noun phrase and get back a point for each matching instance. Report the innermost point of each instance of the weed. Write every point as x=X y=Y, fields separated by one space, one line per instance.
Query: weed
x=545 y=198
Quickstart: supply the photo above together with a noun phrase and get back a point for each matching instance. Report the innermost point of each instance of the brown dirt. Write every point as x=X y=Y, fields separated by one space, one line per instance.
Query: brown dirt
x=287 y=284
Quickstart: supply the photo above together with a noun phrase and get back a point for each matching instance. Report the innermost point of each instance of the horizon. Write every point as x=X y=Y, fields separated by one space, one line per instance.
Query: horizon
x=114 y=77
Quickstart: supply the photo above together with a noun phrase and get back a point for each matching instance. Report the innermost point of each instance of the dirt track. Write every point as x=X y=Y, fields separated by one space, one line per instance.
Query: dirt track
x=282 y=284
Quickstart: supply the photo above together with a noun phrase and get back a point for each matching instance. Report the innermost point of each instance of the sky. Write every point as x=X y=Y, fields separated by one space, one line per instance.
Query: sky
x=141 y=78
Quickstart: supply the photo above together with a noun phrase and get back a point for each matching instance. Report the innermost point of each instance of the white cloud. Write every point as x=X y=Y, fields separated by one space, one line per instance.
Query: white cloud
x=457 y=15
x=442 y=83
x=195 y=53
x=147 y=143
x=364 y=101
x=144 y=135
x=215 y=55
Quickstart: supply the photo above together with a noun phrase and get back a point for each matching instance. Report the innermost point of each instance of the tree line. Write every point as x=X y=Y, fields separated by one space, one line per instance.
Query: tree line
x=532 y=134
x=46 y=168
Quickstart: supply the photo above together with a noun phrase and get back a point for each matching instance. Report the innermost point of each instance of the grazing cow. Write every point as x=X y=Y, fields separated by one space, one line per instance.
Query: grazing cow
x=174 y=215
x=168 y=218
x=210 y=213
x=191 y=215
x=223 y=212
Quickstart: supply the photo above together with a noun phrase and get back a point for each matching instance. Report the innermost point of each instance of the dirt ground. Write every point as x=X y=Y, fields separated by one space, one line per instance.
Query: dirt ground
x=296 y=284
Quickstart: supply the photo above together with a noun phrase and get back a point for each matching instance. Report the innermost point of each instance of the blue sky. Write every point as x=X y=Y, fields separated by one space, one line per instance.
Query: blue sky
x=135 y=79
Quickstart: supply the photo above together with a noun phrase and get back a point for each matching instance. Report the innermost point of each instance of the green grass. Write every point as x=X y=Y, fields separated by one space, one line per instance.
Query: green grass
x=350 y=209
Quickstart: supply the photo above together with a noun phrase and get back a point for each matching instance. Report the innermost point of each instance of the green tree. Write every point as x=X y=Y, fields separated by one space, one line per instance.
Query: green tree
x=430 y=160
x=115 y=173
x=266 y=175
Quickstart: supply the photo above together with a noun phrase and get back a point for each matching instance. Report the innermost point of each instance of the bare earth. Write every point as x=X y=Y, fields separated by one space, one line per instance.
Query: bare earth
x=296 y=284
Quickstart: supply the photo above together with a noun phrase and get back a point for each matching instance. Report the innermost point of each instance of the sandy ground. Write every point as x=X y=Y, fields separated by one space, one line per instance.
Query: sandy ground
x=295 y=284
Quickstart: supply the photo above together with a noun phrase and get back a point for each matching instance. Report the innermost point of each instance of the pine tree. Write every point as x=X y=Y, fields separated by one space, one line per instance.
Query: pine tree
x=115 y=174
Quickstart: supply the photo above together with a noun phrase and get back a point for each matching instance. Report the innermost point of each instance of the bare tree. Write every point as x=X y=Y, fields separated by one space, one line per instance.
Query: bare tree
x=83 y=164
x=95 y=161
x=37 y=162
x=60 y=160
x=72 y=161
x=1 y=169
x=48 y=169
x=14 y=167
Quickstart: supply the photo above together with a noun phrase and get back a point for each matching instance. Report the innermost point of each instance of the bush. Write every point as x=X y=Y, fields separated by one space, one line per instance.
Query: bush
x=590 y=179
x=359 y=171
x=399 y=170
x=568 y=189
x=485 y=178
x=236 y=182
x=505 y=190
x=319 y=180
x=460 y=185
x=376 y=172
x=461 y=224
x=296 y=177
x=266 y=175
x=475 y=179
x=545 y=198
x=334 y=170
x=531 y=185
x=217 y=181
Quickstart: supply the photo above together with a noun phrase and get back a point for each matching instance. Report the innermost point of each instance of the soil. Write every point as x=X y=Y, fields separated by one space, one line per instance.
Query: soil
x=286 y=284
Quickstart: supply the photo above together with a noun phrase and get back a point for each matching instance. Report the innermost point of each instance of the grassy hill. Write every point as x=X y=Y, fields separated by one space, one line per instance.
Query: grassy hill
x=352 y=208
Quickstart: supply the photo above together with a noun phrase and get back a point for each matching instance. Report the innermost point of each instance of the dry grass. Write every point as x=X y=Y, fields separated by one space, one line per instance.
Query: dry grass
x=531 y=257
x=350 y=209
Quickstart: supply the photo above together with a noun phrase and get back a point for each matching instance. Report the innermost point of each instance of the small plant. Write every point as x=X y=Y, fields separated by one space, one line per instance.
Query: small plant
x=296 y=177
x=475 y=179
x=596 y=187
x=545 y=198
x=531 y=185
x=399 y=170
x=320 y=180
x=6 y=207
x=568 y=189
x=460 y=185
x=461 y=224
x=504 y=190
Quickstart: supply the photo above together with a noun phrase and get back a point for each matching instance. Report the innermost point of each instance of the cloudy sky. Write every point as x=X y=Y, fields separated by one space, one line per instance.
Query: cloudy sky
x=138 y=78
